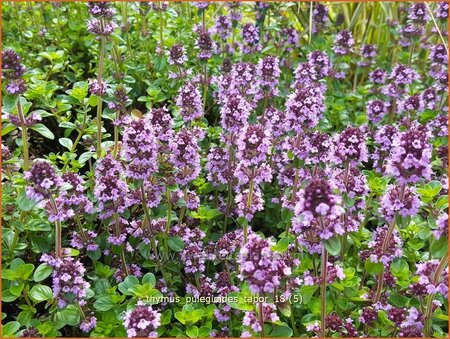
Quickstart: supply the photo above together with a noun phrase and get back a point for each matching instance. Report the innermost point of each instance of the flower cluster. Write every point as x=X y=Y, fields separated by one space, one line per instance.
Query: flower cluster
x=139 y=149
x=69 y=285
x=12 y=71
x=189 y=101
x=101 y=23
x=260 y=266
x=317 y=212
x=409 y=159
x=142 y=321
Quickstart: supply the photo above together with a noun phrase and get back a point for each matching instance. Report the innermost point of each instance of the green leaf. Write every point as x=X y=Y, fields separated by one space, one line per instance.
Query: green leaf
x=333 y=245
x=39 y=293
x=398 y=300
x=66 y=142
x=192 y=332
x=372 y=267
x=176 y=244
x=79 y=91
x=281 y=332
x=85 y=157
x=129 y=282
x=104 y=304
x=24 y=203
x=204 y=332
x=439 y=248
x=10 y=329
x=400 y=269
x=8 y=128
x=205 y=213
x=149 y=278
x=70 y=315
x=240 y=301
x=43 y=130
x=307 y=291
x=282 y=245
x=24 y=271
x=9 y=102
x=8 y=274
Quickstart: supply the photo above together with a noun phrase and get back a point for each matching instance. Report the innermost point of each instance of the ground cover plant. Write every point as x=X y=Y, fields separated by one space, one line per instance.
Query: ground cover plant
x=223 y=169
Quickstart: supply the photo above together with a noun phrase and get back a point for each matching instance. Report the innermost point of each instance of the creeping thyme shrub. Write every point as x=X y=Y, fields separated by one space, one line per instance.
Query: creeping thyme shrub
x=214 y=169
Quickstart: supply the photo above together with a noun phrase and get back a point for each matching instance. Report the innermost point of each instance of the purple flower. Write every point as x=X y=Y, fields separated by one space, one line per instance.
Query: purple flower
x=442 y=226
x=253 y=145
x=234 y=113
x=12 y=71
x=369 y=51
x=320 y=17
x=383 y=138
x=350 y=146
x=29 y=121
x=402 y=75
x=320 y=62
x=402 y=201
x=409 y=160
x=438 y=54
x=162 y=123
x=120 y=99
x=11 y=67
x=250 y=39
x=376 y=110
x=262 y=268
x=97 y=88
x=248 y=205
x=317 y=210
x=101 y=23
x=43 y=179
x=290 y=36
x=139 y=149
x=217 y=166
x=193 y=255
x=71 y=201
x=343 y=42
x=85 y=240
x=223 y=26
x=110 y=189
x=186 y=155
x=142 y=321
x=177 y=55
x=201 y=4
x=189 y=100
x=69 y=285
x=441 y=10
x=418 y=12
x=429 y=98
x=378 y=76
x=268 y=71
x=376 y=253
x=305 y=106
x=205 y=45
x=88 y=324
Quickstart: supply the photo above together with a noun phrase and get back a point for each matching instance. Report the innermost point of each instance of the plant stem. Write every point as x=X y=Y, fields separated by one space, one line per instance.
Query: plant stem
x=249 y=203
x=169 y=217
x=23 y=127
x=58 y=233
x=383 y=249
x=261 y=317
x=323 y=291
x=429 y=311
x=99 y=100
x=80 y=132
x=161 y=28
x=230 y=186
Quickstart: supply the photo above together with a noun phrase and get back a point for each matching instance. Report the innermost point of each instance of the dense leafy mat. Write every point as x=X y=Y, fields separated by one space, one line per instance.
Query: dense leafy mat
x=224 y=169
